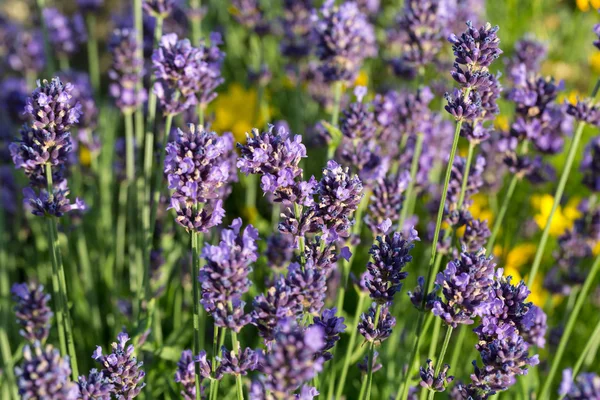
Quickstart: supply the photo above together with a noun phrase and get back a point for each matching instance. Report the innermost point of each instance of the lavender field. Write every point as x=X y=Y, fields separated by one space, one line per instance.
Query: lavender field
x=299 y=199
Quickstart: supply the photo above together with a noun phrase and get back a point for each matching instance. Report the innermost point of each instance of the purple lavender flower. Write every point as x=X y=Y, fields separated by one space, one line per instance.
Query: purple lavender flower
x=597 y=33
x=416 y=296
x=185 y=375
x=64 y=34
x=126 y=70
x=344 y=39
x=475 y=236
x=276 y=157
x=387 y=200
x=363 y=366
x=467 y=284
x=534 y=327
x=32 y=311
x=197 y=219
x=224 y=278
x=13 y=98
x=358 y=122
x=585 y=111
x=339 y=196
x=43 y=374
x=529 y=52
x=121 y=368
x=90 y=6
x=380 y=332
x=308 y=285
x=297 y=28
x=237 y=363
x=390 y=254
x=250 y=14
x=332 y=327
x=278 y=303
x=56 y=205
x=159 y=9
x=280 y=250
x=291 y=361
x=586 y=386
x=474 y=183
x=419 y=33
x=476 y=48
x=432 y=382
x=95 y=386
x=26 y=51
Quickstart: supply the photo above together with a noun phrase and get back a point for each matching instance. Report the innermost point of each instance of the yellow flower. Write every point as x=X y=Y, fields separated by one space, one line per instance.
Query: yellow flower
x=85 y=156
x=584 y=5
x=501 y=122
x=520 y=255
x=594 y=61
x=571 y=97
x=235 y=111
x=362 y=79
x=480 y=209
x=562 y=220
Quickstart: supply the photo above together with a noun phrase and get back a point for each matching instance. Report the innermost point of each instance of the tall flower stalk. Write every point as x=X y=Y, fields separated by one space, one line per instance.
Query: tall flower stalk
x=474 y=51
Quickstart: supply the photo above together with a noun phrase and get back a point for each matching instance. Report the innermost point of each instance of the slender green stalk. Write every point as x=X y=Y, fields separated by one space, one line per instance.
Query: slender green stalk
x=363 y=388
x=196 y=244
x=372 y=356
x=88 y=278
x=50 y=66
x=500 y=217
x=159 y=175
x=564 y=340
x=456 y=352
x=347 y=356
x=440 y=360
x=60 y=290
x=129 y=149
x=213 y=383
x=238 y=378
x=466 y=172
x=588 y=346
x=337 y=97
x=404 y=383
x=559 y=193
x=557 y=199
x=433 y=271
x=414 y=167
x=121 y=229
x=196 y=19
x=92 y=52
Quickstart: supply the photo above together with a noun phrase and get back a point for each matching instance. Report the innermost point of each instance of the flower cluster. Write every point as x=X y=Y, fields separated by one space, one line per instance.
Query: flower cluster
x=186 y=75
x=297 y=28
x=586 y=386
x=198 y=166
x=387 y=200
x=332 y=327
x=95 y=386
x=32 y=311
x=64 y=34
x=474 y=52
x=467 y=288
x=436 y=383
x=126 y=71
x=185 y=375
x=159 y=9
x=25 y=51
x=45 y=146
x=344 y=38
x=121 y=368
x=390 y=254
x=377 y=323
x=43 y=374
x=224 y=278
x=293 y=358
x=237 y=363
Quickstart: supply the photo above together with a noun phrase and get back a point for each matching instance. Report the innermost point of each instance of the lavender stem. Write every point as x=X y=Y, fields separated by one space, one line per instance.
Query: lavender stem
x=440 y=360
x=414 y=167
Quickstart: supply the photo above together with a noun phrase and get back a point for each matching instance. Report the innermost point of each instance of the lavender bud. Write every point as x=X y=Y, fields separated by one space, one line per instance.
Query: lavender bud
x=432 y=382
x=32 y=311
x=95 y=386
x=383 y=330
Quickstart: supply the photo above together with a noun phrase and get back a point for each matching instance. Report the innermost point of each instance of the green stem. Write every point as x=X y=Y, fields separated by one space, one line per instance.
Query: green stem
x=58 y=280
x=129 y=149
x=404 y=383
x=238 y=377
x=462 y=334
x=50 y=67
x=557 y=199
x=195 y=8
x=372 y=356
x=466 y=172
x=196 y=244
x=414 y=167
x=433 y=271
x=564 y=340
x=92 y=51
x=500 y=218
x=350 y=349
x=158 y=177
x=121 y=229
x=363 y=388
x=588 y=346
x=440 y=360
x=337 y=97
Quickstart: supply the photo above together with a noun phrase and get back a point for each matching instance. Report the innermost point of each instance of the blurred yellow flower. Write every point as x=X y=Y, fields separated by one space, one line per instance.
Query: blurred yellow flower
x=235 y=111
x=501 y=122
x=563 y=218
x=520 y=255
x=85 y=156
x=571 y=97
x=362 y=79
x=586 y=5
x=480 y=209
x=594 y=61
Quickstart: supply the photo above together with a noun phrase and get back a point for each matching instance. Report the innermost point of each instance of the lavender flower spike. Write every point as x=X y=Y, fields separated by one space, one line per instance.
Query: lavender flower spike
x=43 y=374
x=125 y=71
x=121 y=368
x=95 y=386
x=32 y=311
x=432 y=382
